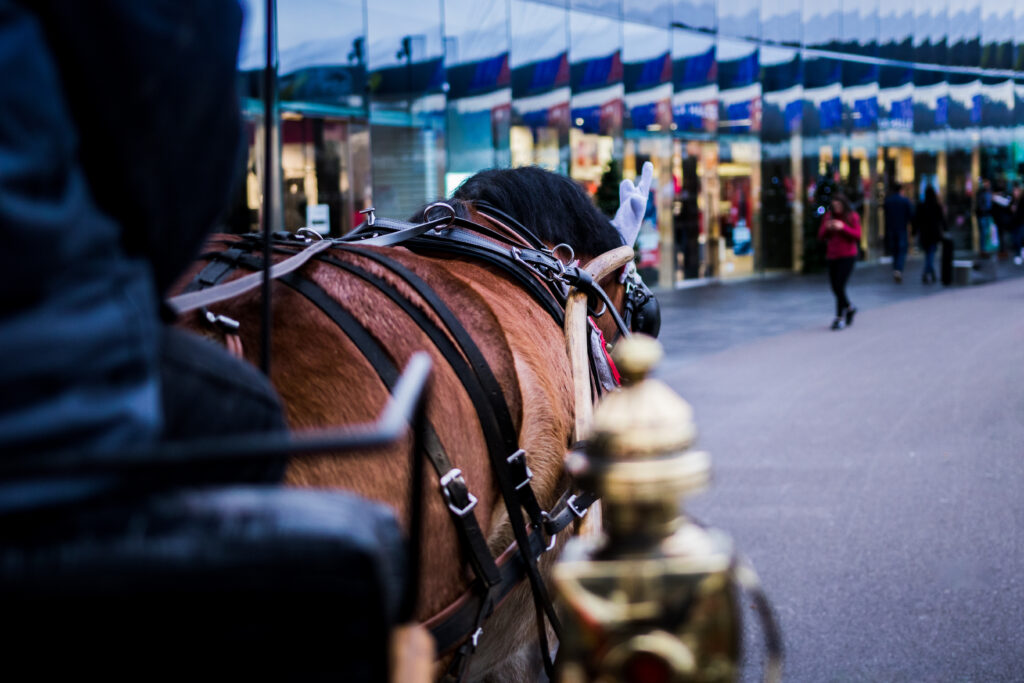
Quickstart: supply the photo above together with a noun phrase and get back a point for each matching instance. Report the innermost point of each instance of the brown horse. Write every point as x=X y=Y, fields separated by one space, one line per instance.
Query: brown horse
x=325 y=379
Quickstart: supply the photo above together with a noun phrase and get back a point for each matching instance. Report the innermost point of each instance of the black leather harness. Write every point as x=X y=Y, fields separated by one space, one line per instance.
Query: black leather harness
x=534 y=267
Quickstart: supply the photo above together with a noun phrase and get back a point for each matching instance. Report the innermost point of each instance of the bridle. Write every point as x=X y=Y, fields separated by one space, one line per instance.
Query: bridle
x=642 y=313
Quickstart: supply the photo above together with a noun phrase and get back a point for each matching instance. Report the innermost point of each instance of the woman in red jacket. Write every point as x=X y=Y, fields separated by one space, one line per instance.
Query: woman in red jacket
x=840 y=228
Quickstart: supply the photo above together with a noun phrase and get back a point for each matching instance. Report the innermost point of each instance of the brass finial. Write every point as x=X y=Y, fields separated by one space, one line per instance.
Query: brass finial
x=646 y=419
x=636 y=356
x=653 y=591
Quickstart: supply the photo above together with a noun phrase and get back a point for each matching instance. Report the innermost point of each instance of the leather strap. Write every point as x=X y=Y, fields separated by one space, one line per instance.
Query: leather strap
x=500 y=465
x=460 y=501
x=183 y=303
x=498 y=415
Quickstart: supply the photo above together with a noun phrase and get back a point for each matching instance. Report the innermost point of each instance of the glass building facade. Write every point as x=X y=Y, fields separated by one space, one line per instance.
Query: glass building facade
x=744 y=107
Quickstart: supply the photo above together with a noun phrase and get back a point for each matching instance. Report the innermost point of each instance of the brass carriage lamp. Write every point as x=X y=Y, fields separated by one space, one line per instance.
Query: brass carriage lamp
x=653 y=598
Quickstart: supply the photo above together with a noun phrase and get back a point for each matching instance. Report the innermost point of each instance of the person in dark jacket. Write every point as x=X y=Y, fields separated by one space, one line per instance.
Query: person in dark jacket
x=898 y=214
x=119 y=145
x=1018 y=225
x=988 y=240
x=841 y=231
x=929 y=224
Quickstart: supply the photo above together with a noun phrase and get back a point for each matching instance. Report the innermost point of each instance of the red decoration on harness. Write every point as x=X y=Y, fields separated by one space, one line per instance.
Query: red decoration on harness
x=601 y=356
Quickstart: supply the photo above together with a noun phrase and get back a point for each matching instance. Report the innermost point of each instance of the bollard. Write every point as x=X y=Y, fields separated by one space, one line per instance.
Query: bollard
x=655 y=597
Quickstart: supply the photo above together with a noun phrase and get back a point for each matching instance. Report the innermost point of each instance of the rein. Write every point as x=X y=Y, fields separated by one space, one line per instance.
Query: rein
x=551 y=283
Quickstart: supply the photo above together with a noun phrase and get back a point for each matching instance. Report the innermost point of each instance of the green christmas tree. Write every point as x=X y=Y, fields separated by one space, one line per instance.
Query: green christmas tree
x=607 y=196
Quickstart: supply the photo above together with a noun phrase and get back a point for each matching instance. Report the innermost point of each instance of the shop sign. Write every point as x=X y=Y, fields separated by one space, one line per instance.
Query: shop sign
x=318 y=217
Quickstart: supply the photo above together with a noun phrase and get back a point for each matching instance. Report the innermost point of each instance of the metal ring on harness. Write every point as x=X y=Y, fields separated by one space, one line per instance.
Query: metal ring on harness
x=566 y=247
x=309 y=231
x=451 y=213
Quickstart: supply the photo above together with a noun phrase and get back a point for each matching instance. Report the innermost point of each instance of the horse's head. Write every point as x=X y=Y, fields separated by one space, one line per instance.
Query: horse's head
x=557 y=210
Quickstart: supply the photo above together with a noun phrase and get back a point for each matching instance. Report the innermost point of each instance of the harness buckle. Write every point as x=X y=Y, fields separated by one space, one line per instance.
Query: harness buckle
x=225 y=324
x=571 y=504
x=370 y=217
x=518 y=460
x=475 y=638
x=454 y=477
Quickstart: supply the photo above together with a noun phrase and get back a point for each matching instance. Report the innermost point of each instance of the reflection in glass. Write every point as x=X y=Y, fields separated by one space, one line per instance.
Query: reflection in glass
x=782 y=83
x=736 y=236
x=781 y=21
x=656 y=13
x=407 y=107
x=695 y=157
x=244 y=212
x=695 y=14
x=997 y=103
x=597 y=91
x=539 y=61
x=480 y=92
x=695 y=83
x=739 y=18
x=321 y=53
x=648 y=104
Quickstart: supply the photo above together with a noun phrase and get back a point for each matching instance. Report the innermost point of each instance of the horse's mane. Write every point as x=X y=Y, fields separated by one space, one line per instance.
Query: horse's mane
x=553 y=206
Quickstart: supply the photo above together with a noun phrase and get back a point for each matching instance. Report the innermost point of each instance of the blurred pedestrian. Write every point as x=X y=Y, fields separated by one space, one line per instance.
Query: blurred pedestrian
x=1018 y=225
x=929 y=224
x=841 y=231
x=988 y=239
x=898 y=214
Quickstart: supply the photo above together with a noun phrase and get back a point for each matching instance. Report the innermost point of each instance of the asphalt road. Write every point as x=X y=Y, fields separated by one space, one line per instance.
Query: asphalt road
x=873 y=475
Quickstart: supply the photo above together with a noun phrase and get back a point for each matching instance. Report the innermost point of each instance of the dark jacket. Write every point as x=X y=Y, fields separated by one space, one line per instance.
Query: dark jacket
x=898 y=214
x=119 y=136
x=929 y=224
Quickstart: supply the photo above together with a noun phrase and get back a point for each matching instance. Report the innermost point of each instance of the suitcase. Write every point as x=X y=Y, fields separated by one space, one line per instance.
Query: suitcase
x=947 y=261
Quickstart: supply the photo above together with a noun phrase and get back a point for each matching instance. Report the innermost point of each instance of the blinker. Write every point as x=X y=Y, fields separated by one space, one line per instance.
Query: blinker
x=643 y=313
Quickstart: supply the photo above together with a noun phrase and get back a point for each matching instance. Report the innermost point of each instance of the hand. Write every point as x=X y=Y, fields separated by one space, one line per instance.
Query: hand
x=633 y=205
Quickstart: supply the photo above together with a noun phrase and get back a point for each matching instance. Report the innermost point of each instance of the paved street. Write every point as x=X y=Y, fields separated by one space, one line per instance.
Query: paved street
x=873 y=475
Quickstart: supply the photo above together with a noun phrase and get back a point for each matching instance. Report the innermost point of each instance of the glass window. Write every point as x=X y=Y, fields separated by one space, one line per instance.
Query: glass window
x=964 y=32
x=647 y=54
x=244 y=213
x=657 y=13
x=735 y=235
x=822 y=22
x=407 y=107
x=896 y=82
x=695 y=14
x=322 y=85
x=479 y=92
x=859 y=27
x=695 y=84
x=321 y=58
x=597 y=91
x=739 y=18
x=781 y=22
x=648 y=106
x=609 y=8
x=539 y=61
x=739 y=86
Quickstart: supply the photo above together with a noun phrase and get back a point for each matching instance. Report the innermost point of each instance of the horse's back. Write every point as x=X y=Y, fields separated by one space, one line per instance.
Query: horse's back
x=326 y=379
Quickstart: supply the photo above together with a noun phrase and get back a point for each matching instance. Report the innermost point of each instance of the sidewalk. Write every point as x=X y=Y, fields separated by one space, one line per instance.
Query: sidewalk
x=702 y=320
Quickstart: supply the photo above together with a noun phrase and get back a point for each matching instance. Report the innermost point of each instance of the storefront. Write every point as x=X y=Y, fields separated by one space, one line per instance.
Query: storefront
x=539 y=61
x=694 y=151
x=596 y=106
x=735 y=237
x=746 y=109
x=648 y=108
